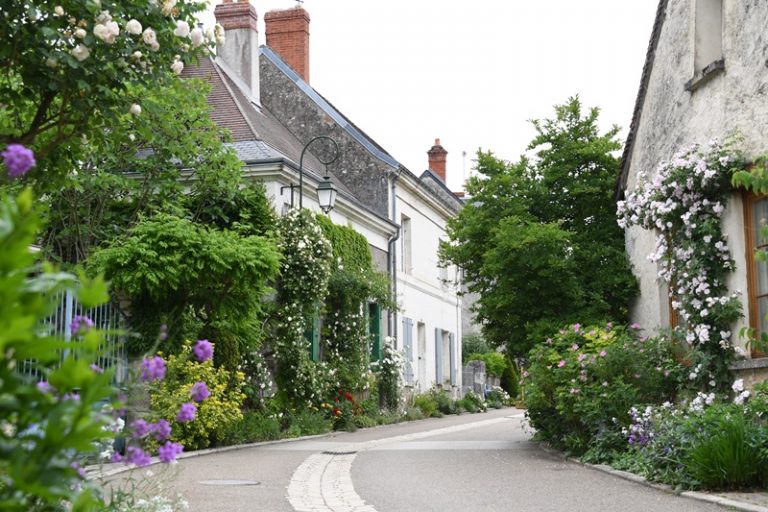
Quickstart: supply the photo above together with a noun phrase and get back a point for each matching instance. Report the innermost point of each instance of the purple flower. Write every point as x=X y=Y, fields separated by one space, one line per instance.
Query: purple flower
x=80 y=469
x=44 y=386
x=152 y=368
x=161 y=430
x=140 y=428
x=561 y=364
x=116 y=457
x=137 y=456
x=81 y=322
x=186 y=412
x=169 y=451
x=200 y=391
x=96 y=368
x=576 y=327
x=18 y=159
x=635 y=326
x=203 y=350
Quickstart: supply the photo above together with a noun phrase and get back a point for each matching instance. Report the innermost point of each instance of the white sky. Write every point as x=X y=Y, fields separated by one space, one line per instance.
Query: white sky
x=471 y=72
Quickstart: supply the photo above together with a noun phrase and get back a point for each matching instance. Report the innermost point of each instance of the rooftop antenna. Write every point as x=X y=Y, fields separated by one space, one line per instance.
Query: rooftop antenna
x=299 y=3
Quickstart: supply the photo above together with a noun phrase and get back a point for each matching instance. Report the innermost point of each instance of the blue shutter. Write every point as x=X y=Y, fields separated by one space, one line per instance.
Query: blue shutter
x=438 y=356
x=452 y=345
x=408 y=345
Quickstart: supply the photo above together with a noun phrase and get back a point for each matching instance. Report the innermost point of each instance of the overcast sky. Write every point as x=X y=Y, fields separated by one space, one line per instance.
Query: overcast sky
x=471 y=72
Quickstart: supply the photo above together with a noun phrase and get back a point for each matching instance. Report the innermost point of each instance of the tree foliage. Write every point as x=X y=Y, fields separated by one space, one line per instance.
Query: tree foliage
x=69 y=68
x=180 y=273
x=538 y=240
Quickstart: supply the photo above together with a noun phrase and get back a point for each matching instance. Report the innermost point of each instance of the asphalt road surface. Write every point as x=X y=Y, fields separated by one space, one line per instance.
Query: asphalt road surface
x=478 y=462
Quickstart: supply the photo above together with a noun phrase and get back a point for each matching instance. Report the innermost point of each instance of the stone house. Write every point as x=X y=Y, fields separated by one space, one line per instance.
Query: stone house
x=705 y=76
x=263 y=96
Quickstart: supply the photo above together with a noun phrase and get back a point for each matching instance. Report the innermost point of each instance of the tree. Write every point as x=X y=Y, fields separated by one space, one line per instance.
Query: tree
x=538 y=240
x=69 y=68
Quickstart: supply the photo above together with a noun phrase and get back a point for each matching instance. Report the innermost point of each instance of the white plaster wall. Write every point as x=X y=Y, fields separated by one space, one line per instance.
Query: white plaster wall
x=421 y=294
x=735 y=100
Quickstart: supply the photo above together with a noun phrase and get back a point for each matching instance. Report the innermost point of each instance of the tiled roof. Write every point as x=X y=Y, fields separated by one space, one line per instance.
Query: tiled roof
x=224 y=110
x=626 y=157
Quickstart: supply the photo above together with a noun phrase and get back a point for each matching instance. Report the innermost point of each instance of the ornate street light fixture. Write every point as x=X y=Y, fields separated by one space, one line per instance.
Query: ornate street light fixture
x=326 y=192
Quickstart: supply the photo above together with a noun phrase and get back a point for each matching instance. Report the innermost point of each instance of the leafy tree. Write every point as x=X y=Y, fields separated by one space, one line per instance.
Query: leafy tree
x=196 y=280
x=538 y=240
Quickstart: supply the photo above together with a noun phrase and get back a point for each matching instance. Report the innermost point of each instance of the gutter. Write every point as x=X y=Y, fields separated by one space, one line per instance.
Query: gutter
x=392 y=260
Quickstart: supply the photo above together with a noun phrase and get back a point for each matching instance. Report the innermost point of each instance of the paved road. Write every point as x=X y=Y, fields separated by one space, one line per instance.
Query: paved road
x=482 y=462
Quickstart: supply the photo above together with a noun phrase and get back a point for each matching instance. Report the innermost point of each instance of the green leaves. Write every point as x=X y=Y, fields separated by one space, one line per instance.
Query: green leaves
x=538 y=239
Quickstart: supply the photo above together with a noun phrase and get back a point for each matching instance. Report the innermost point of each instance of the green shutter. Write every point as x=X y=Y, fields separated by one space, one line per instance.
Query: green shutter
x=374 y=330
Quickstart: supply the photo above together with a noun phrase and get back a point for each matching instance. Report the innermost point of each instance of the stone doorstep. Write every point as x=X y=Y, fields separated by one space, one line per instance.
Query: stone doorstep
x=741 y=501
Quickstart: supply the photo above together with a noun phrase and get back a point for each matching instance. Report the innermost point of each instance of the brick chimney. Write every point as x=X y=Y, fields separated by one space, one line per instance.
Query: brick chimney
x=437 y=157
x=288 y=35
x=239 y=57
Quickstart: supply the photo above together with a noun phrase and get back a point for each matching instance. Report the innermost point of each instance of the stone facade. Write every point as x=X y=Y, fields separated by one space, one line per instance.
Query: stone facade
x=679 y=104
x=363 y=173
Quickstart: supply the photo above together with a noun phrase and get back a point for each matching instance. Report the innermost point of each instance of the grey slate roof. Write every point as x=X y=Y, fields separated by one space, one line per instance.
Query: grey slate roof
x=626 y=157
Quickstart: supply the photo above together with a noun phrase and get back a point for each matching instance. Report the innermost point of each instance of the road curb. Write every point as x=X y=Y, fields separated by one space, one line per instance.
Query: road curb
x=694 y=495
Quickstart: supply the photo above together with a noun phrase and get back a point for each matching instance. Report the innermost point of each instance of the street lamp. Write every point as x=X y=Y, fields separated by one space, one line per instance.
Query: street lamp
x=326 y=192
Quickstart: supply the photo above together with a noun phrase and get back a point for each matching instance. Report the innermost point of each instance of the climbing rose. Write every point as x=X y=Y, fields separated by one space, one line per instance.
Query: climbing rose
x=133 y=27
x=18 y=159
x=203 y=350
x=186 y=412
x=182 y=28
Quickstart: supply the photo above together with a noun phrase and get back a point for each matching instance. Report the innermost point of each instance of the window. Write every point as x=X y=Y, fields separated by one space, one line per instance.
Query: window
x=406 y=252
x=708 y=41
x=374 y=330
x=756 y=218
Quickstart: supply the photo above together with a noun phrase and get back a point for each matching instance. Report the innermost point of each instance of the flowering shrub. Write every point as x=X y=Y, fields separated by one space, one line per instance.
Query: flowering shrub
x=582 y=382
x=389 y=371
x=704 y=442
x=344 y=410
x=684 y=202
x=305 y=271
x=101 y=49
x=43 y=427
x=195 y=390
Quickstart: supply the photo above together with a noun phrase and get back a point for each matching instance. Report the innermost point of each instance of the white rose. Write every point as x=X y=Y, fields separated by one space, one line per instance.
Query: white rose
x=168 y=6
x=137 y=55
x=177 y=66
x=133 y=27
x=218 y=31
x=182 y=28
x=58 y=11
x=51 y=62
x=80 y=33
x=80 y=52
x=103 y=18
x=149 y=37
x=135 y=109
x=197 y=37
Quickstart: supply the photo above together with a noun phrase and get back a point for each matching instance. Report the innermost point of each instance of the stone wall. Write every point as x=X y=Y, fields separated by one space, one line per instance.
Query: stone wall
x=674 y=115
x=363 y=173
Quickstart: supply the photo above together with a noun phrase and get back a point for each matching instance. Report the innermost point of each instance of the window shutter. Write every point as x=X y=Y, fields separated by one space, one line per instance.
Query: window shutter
x=452 y=348
x=438 y=356
x=374 y=330
x=408 y=345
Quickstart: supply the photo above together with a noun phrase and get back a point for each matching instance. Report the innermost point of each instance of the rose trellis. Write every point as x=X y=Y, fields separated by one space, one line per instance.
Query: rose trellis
x=683 y=202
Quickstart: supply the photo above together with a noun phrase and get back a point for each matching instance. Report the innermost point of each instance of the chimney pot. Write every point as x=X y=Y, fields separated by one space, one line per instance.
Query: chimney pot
x=287 y=32
x=437 y=159
x=240 y=55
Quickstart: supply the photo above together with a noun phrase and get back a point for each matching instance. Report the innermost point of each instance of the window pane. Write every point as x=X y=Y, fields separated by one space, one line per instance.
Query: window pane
x=762 y=310
x=760 y=220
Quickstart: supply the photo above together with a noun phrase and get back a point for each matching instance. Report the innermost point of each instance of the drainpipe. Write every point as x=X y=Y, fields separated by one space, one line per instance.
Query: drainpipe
x=392 y=259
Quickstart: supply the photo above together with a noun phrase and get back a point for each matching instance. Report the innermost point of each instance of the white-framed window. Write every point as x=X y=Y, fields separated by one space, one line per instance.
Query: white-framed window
x=406 y=237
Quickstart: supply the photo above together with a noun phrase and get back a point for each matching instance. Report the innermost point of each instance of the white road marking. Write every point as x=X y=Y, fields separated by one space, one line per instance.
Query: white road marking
x=323 y=482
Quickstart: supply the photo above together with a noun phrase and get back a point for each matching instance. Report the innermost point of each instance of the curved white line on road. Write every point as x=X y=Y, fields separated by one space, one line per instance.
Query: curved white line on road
x=323 y=482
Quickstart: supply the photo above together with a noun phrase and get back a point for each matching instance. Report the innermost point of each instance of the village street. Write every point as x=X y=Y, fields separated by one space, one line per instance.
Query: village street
x=479 y=462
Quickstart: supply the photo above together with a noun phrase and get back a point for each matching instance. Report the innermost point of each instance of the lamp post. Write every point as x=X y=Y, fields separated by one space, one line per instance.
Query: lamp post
x=326 y=192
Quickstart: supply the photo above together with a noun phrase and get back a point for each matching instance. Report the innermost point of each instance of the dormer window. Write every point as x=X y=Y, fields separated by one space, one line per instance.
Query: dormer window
x=708 y=42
